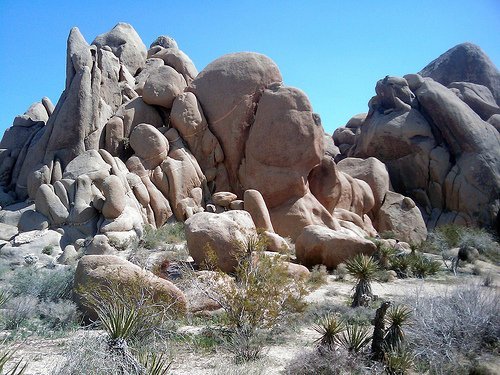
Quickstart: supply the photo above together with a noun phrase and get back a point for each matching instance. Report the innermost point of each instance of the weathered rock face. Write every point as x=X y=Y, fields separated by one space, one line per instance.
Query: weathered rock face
x=225 y=235
x=125 y=44
x=101 y=270
x=319 y=245
x=228 y=90
x=465 y=63
x=139 y=137
x=437 y=149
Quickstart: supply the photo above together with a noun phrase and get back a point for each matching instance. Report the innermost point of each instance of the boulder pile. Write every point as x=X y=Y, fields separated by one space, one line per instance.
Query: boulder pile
x=139 y=137
x=438 y=134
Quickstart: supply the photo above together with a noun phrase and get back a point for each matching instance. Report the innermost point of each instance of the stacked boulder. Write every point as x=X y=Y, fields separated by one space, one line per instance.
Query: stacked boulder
x=441 y=144
x=139 y=137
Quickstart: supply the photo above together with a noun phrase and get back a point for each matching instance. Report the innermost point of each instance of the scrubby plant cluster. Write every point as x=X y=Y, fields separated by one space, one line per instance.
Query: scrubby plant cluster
x=261 y=295
x=406 y=264
x=450 y=236
x=38 y=300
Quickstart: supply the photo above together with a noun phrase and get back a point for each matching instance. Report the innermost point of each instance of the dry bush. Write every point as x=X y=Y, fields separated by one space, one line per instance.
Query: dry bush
x=447 y=331
x=260 y=297
x=331 y=362
x=318 y=277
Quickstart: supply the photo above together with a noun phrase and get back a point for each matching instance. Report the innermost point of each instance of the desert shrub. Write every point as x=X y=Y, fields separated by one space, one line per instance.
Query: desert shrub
x=318 y=277
x=154 y=238
x=355 y=337
x=363 y=268
x=398 y=361
x=341 y=271
x=132 y=317
x=447 y=330
x=48 y=250
x=383 y=255
x=89 y=355
x=397 y=316
x=401 y=265
x=131 y=313
x=60 y=315
x=18 y=310
x=331 y=362
x=43 y=283
x=451 y=236
x=260 y=297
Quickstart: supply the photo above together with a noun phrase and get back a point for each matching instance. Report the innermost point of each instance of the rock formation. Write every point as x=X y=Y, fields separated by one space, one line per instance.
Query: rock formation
x=436 y=134
x=139 y=137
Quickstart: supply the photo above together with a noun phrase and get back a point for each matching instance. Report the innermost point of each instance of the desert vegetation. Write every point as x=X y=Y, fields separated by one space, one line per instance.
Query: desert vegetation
x=261 y=307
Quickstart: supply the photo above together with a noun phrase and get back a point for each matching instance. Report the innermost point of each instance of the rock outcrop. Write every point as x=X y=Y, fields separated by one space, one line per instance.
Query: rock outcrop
x=139 y=137
x=438 y=143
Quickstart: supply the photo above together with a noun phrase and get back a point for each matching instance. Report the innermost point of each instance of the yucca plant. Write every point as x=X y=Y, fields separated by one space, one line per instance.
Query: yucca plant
x=363 y=268
x=396 y=317
x=398 y=361
x=18 y=369
x=401 y=265
x=119 y=321
x=384 y=254
x=4 y=297
x=355 y=337
x=421 y=266
x=329 y=327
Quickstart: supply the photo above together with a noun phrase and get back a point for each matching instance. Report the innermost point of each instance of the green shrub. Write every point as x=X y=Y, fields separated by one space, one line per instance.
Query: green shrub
x=398 y=361
x=261 y=296
x=401 y=265
x=397 y=316
x=383 y=255
x=157 y=238
x=363 y=268
x=48 y=250
x=43 y=283
x=451 y=236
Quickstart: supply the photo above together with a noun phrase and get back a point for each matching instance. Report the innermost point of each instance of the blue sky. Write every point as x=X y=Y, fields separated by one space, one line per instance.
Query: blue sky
x=333 y=50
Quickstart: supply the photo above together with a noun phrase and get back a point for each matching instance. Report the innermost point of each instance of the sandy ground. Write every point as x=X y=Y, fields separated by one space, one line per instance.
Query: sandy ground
x=44 y=355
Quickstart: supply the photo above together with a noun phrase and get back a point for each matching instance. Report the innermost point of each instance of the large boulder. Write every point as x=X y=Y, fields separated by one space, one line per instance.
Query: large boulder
x=126 y=44
x=229 y=89
x=465 y=62
x=401 y=216
x=110 y=270
x=222 y=234
x=373 y=172
x=278 y=165
x=318 y=244
x=162 y=86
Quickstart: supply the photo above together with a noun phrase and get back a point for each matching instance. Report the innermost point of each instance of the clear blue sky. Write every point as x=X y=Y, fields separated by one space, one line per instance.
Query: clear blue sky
x=333 y=50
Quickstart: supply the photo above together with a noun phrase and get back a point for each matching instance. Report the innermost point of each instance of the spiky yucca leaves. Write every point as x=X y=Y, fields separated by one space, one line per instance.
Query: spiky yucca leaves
x=384 y=255
x=4 y=297
x=355 y=337
x=329 y=327
x=17 y=369
x=154 y=364
x=396 y=317
x=421 y=266
x=363 y=268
